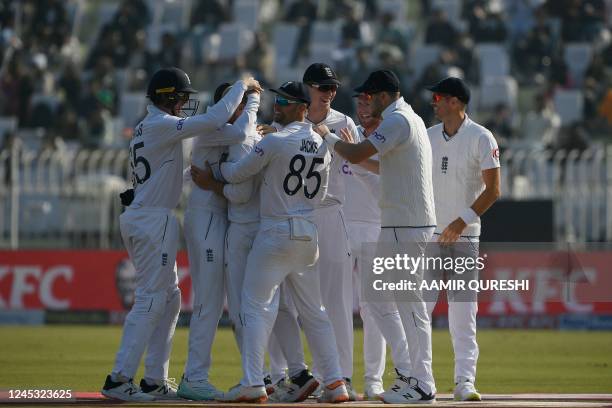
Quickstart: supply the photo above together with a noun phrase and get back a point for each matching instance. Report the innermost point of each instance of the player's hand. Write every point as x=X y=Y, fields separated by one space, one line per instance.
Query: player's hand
x=322 y=130
x=264 y=129
x=252 y=84
x=452 y=233
x=346 y=135
x=203 y=178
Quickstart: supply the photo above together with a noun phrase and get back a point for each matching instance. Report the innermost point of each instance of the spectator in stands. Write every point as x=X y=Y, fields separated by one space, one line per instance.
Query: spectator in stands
x=573 y=137
x=69 y=85
x=439 y=30
x=351 y=29
x=257 y=60
x=69 y=127
x=168 y=55
x=500 y=124
x=541 y=125
x=17 y=85
x=533 y=54
x=206 y=16
x=486 y=26
x=389 y=33
x=302 y=13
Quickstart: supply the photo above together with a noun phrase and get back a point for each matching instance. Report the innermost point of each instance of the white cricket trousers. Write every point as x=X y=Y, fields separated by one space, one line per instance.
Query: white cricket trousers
x=276 y=258
x=238 y=243
x=205 y=237
x=461 y=318
x=410 y=305
x=335 y=267
x=150 y=236
x=374 y=344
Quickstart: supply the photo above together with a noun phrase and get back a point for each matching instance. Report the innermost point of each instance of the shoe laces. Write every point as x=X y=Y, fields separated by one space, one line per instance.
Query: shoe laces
x=169 y=383
x=402 y=377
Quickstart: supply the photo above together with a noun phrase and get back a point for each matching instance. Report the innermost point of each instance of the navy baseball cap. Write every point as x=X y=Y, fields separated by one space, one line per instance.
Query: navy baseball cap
x=293 y=90
x=321 y=74
x=380 y=81
x=454 y=87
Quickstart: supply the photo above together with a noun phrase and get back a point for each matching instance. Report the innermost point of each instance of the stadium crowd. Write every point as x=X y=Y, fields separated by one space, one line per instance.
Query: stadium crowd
x=65 y=64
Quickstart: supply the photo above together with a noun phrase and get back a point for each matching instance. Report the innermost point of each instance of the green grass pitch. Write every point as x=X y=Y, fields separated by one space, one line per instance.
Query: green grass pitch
x=511 y=361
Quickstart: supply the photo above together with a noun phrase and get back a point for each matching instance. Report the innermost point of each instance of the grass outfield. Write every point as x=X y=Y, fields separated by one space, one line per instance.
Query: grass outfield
x=511 y=361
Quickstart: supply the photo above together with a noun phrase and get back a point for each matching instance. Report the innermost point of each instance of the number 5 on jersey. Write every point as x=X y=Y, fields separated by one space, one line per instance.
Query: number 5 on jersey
x=135 y=160
x=297 y=173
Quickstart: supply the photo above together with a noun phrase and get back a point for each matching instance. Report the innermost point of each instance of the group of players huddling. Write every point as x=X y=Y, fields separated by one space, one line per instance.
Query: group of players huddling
x=275 y=221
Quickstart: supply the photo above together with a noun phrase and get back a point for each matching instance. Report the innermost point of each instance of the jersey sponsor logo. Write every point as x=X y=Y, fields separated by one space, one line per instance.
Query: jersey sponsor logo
x=309 y=146
x=164 y=261
x=346 y=169
x=495 y=153
x=444 y=164
x=179 y=124
x=210 y=256
x=259 y=151
x=379 y=137
x=138 y=131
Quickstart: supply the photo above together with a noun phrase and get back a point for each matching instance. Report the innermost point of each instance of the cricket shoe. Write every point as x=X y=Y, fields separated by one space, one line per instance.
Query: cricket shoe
x=334 y=393
x=200 y=390
x=465 y=391
x=165 y=390
x=350 y=390
x=372 y=391
x=124 y=391
x=406 y=390
x=268 y=384
x=243 y=393
x=297 y=389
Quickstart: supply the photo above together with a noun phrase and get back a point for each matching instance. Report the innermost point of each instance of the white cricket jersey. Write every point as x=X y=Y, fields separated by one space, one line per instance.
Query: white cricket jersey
x=156 y=150
x=336 y=189
x=243 y=198
x=295 y=165
x=203 y=151
x=406 y=198
x=362 y=190
x=458 y=162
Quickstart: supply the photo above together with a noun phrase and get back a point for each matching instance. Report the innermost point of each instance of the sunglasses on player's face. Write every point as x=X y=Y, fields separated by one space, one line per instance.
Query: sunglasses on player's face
x=437 y=97
x=280 y=101
x=325 y=88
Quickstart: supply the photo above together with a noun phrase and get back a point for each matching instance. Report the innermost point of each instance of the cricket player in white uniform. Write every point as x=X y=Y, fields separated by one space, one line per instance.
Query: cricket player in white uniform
x=335 y=262
x=295 y=166
x=205 y=229
x=466 y=180
x=150 y=230
x=407 y=219
x=363 y=216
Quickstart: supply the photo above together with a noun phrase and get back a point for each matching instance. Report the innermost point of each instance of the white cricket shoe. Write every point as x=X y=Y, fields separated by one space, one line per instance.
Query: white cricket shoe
x=242 y=393
x=124 y=391
x=465 y=391
x=372 y=391
x=197 y=390
x=297 y=389
x=406 y=390
x=334 y=393
x=165 y=390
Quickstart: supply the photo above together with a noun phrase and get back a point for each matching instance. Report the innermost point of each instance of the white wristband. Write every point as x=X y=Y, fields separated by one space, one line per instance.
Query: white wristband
x=331 y=140
x=469 y=216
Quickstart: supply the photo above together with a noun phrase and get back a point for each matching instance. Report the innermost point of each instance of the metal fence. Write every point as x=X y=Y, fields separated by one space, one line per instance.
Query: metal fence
x=69 y=198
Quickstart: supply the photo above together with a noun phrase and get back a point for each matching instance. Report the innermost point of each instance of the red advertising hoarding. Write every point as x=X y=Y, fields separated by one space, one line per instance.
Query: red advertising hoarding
x=103 y=280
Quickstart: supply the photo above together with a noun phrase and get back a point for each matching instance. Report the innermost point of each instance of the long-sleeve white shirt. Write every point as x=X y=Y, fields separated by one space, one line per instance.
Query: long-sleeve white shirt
x=156 y=150
x=243 y=198
x=295 y=170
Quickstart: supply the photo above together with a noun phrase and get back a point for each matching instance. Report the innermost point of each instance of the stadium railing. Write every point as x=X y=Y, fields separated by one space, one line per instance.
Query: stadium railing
x=69 y=199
